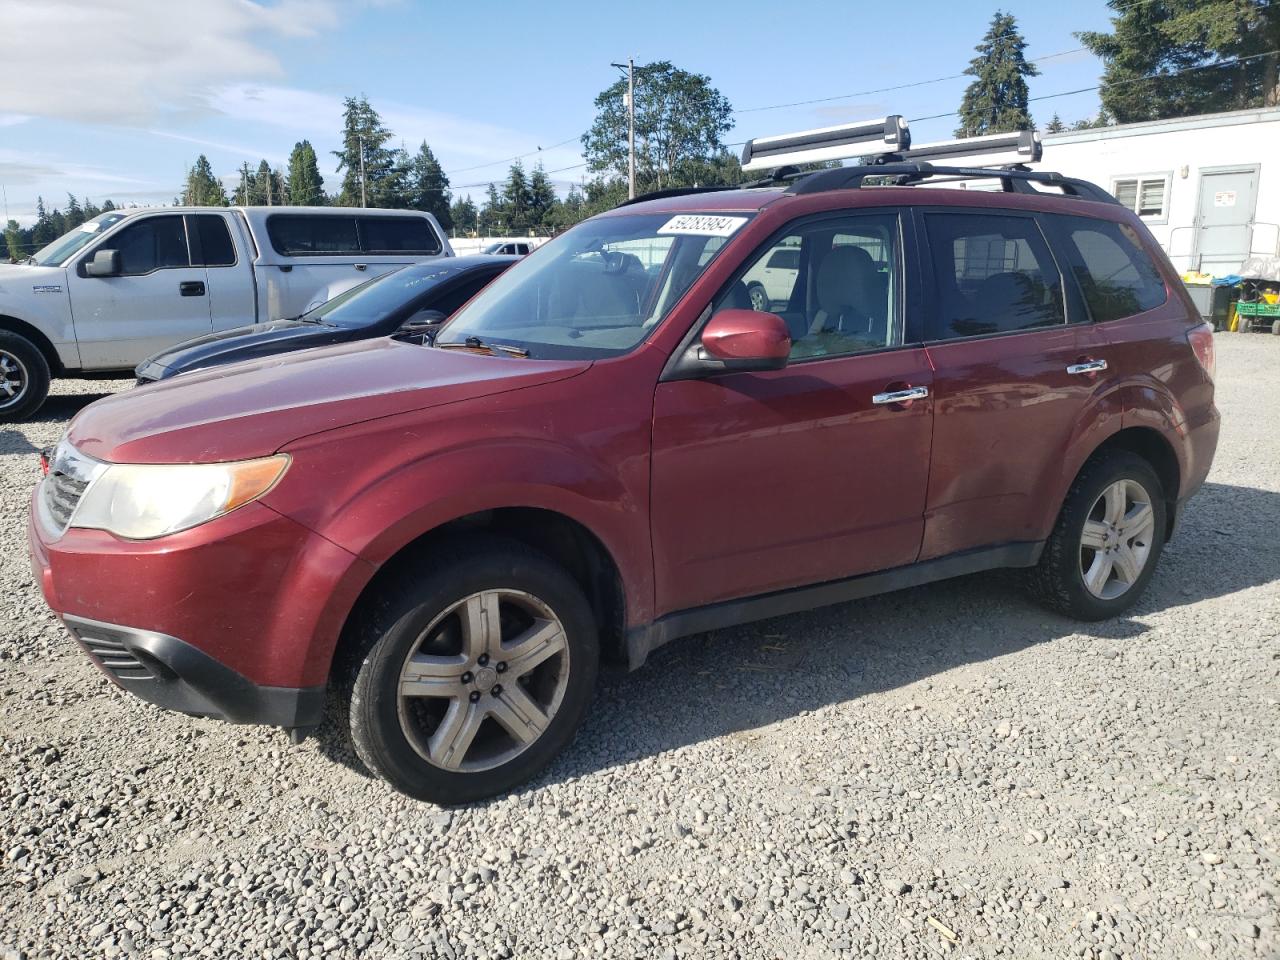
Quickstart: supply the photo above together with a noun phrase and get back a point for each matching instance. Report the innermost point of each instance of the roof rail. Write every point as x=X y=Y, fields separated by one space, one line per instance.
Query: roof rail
x=1013 y=179
x=992 y=150
x=883 y=135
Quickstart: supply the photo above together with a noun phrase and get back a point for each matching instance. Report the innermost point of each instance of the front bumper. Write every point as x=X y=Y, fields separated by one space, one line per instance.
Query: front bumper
x=174 y=675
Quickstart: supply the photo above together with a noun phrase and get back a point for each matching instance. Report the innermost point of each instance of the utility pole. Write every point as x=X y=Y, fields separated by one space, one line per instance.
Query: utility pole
x=631 y=125
x=363 y=201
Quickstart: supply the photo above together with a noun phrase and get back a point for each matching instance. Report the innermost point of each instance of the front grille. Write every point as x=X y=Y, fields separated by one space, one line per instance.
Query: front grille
x=70 y=473
x=111 y=654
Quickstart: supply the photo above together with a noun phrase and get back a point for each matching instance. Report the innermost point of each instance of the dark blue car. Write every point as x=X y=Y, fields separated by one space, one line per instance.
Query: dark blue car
x=409 y=303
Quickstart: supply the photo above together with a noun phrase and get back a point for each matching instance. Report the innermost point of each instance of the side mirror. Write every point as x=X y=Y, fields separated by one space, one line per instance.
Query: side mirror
x=105 y=263
x=746 y=340
x=422 y=324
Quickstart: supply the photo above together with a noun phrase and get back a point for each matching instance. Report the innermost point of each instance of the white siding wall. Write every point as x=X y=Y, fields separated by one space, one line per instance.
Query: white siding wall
x=1178 y=150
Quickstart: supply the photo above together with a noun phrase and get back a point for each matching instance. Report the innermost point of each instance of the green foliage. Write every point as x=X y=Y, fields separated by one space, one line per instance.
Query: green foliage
x=1156 y=50
x=386 y=169
x=14 y=241
x=464 y=216
x=74 y=215
x=306 y=186
x=429 y=187
x=681 y=120
x=996 y=100
x=1055 y=125
x=203 y=189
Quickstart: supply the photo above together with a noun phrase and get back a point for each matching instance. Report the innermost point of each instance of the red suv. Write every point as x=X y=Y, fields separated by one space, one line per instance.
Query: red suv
x=609 y=448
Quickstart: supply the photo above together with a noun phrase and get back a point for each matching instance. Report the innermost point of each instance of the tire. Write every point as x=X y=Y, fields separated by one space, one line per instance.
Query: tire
x=453 y=740
x=1074 y=579
x=1275 y=327
x=24 y=377
x=759 y=298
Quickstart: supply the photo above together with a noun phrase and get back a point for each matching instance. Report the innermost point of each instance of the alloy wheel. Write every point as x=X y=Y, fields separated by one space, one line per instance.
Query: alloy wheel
x=13 y=379
x=759 y=300
x=1117 y=538
x=483 y=681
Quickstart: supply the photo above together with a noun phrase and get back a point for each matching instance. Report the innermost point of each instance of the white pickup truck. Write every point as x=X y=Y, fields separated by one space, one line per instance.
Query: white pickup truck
x=128 y=283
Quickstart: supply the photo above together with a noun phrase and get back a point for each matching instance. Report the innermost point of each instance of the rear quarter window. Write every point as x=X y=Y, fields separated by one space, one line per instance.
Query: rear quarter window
x=1114 y=271
x=398 y=235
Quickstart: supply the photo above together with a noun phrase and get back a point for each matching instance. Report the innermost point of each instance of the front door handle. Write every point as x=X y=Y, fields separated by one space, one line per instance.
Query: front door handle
x=901 y=396
x=1088 y=366
x=191 y=288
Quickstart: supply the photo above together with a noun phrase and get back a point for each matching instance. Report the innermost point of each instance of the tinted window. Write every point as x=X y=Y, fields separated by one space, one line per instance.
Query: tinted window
x=152 y=244
x=295 y=236
x=843 y=297
x=215 y=241
x=398 y=235
x=993 y=274
x=1115 y=273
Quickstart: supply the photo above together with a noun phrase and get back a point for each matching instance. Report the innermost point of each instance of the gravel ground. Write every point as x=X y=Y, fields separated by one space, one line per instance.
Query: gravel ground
x=941 y=771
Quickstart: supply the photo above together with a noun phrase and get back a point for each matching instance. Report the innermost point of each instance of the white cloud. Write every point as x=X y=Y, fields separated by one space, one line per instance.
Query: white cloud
x=137 y=61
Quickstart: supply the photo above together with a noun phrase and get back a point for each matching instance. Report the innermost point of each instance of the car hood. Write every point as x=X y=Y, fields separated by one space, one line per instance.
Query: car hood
x=17 y=279
x=254 y=408
x=240 y=343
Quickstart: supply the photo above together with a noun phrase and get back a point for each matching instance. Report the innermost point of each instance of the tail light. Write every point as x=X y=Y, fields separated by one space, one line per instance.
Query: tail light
x=1201 y=340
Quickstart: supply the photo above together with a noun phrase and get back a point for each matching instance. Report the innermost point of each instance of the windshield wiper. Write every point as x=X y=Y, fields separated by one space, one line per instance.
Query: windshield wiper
x=475 y=343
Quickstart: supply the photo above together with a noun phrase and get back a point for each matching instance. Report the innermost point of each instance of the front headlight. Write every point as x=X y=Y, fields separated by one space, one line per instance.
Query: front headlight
x=145 y=501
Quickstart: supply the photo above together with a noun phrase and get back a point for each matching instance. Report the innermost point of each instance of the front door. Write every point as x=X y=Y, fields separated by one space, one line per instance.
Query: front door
x=158 y=299
x=765 y=481
x=1224 y=219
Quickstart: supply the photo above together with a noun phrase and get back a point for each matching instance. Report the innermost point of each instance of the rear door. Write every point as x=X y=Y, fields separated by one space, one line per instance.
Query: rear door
x=228 y=270
x=769 y=480
x=1008 y=380
x=158 y=299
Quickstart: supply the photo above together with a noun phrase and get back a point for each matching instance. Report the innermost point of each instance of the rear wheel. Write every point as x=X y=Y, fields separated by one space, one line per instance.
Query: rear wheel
x=24 y=377
x=759 y=298
x=480 y=667
x=1105 y=546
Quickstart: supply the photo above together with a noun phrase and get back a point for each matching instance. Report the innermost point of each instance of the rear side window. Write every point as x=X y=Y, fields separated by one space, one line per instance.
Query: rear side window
x=993 y=274
x=215 y=241
x=156 y=243
x=1114 y=272
x=310 y=236
x=398 y=235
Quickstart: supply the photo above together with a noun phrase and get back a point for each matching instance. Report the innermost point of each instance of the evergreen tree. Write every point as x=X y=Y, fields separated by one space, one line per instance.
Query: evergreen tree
x=14 y=241
x=568 y=211
x=493 y=215
x=517 y=200
x=1055 y=125
x=429 y=187
x=203 y=189
x=542 y=200
x=306 y=186
x=996 y=101
x=91 y=209
x=386 y=169
x=1156 y=51
x=75 y=212
x=44 y=231
x=464 y=216
x=107 y=206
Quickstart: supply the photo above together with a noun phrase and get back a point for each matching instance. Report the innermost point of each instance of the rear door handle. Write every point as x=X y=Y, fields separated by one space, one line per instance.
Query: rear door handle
x=901 y=396
x=1088 y=366
x=191 y=288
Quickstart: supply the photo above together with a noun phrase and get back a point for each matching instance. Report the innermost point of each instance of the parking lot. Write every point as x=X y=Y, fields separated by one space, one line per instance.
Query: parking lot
x=940 y=771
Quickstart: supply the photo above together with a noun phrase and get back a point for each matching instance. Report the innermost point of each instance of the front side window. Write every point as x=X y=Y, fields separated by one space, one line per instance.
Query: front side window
x=1115 y=273
x=992 y=274
x=312 y=236
x=597 y=290
x=156 y=243
x=834 y=281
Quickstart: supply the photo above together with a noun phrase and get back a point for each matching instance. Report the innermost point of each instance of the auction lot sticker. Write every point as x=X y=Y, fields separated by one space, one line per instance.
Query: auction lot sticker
x=702 y=225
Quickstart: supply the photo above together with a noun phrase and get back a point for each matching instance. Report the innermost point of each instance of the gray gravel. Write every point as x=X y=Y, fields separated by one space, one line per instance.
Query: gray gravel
x=878 y=779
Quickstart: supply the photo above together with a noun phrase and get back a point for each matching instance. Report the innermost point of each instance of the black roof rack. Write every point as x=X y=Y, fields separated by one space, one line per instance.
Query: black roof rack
x=1013 y=179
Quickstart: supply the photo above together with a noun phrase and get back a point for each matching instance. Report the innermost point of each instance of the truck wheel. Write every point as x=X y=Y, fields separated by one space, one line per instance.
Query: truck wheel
x=24 y=377
x=1107 y=541
x=759 y=299
x=480 y=665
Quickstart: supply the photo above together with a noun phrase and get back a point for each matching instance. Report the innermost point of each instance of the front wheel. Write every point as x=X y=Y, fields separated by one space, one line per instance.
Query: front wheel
x=1105 y=546
x=759 y=298
x=24 y=377
x=480 y=667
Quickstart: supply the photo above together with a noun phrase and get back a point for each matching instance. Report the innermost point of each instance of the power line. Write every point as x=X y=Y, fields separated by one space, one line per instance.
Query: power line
x=522 y=156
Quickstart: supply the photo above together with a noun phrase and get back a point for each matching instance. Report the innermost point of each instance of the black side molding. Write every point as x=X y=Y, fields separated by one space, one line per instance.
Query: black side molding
x=641 y=641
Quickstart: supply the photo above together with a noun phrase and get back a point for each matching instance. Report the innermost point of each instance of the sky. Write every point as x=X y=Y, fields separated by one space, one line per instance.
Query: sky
x=116 y=99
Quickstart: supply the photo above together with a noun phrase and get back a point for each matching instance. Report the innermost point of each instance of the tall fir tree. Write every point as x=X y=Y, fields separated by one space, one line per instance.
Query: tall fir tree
x=493 y=214
x=44 y=231
x=1160 y=57
x=517 y=200
x=306 y=186
x=14 y=241
x=1055 y=125
x=542 y=200
x=203 y=189
x=464 y=215
x=996 y=101
x=386 y=170
x=75 y=212
x=429 y=187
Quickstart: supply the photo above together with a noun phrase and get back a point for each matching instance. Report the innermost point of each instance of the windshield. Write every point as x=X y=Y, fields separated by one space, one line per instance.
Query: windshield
x=380 y=297
x=55 y=253
x=596 y=291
